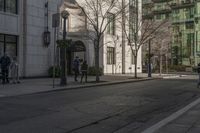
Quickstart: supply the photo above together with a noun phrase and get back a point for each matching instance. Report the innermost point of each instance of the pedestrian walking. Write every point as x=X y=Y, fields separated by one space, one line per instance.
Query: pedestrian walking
x=198 y=70
x=84 y=69
x=76 y=65
x=14 y=68
x=5 y=63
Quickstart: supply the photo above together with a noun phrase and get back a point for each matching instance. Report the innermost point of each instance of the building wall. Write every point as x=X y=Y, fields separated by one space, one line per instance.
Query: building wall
x=38 y=58
x=34 y=57
x=11 y=24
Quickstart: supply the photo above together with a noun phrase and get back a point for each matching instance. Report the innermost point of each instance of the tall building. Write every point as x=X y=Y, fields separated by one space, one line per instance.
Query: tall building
x=184 y=16
x=26 y=32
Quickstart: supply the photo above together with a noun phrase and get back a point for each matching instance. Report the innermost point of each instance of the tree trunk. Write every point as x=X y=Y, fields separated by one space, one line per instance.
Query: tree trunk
x=167 y=70
x=160 y=65
x=97 y=61
x=135 y=56
x=63 y=80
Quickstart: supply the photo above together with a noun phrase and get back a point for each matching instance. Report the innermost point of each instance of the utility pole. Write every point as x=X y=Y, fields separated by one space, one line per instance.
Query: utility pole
x=63 y=78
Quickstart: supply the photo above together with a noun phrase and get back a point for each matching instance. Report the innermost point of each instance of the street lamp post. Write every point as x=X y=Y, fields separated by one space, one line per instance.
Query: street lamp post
x=63 y=78
x=149 y=59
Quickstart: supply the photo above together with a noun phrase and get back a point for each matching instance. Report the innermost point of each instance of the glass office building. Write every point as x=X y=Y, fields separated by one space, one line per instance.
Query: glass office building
x=184 y=16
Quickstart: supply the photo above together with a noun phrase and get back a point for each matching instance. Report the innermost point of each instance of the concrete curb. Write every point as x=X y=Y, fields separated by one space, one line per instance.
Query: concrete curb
x=172 y=117
x=97 y=85
x=58 y=89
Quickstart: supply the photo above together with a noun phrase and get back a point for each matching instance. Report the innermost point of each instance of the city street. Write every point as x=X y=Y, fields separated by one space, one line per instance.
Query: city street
x=121 y=108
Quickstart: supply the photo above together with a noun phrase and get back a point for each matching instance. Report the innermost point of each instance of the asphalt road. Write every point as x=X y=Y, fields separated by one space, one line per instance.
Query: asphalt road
x=122 y=108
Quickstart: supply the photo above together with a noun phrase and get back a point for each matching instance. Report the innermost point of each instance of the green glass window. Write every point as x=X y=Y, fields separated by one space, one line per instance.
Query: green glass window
x=198 y=41
x=132 y=25
x=158 y=17
x=189 y=25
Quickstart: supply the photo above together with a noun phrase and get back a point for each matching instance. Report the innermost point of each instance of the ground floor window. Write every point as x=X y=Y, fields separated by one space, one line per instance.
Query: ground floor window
x=9 y=6
x=8 y=44
x=110 y=55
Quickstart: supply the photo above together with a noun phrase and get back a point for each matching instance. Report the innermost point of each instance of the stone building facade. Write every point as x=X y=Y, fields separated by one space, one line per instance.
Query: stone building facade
x=22 y=27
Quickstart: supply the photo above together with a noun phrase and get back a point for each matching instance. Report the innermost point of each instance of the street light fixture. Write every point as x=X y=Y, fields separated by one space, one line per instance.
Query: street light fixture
x=63 y=78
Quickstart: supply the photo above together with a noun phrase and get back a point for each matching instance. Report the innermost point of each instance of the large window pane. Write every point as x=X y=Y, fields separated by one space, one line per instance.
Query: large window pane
x=1 y=44
x=110 y=55
x=8 y=44
x=11 y=45
x=11 y=39
x=111 y=24
x=11 y=6
x=1 y=38
x=1 y=48
x=1 y=5
x=11 y=49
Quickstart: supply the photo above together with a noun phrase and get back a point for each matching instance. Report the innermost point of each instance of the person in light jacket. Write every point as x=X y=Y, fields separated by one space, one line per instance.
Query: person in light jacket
x=14 y=68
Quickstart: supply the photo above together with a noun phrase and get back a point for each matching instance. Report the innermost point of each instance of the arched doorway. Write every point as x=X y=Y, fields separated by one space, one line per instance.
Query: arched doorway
x=77 y=48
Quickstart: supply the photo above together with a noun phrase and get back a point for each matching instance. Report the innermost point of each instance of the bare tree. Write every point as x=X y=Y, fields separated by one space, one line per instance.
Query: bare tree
x=97 y=12
x=160 y=46
x=138 y=31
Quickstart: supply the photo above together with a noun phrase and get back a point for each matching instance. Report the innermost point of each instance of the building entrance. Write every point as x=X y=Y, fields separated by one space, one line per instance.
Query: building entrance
x=77 y=48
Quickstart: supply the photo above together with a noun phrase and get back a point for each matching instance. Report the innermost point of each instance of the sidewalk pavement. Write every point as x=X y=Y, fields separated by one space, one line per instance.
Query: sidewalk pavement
x=39 y=85
x=186 y=120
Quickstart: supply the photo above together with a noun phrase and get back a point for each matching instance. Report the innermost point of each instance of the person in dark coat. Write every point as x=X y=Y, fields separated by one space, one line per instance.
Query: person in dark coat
x=76 y=65
x=198 y=70
x=5 y=64
x=84 y=69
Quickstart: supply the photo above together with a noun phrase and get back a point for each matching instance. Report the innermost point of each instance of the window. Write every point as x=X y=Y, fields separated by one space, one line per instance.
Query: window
x=11 y=6
x=1 y=45
x=158 y=17
x=189 y=25
x=8 y=6
x=176 y=11
x=167 y=16
x=132 y=2
x=110 y=55
x=2 y=5
x=132 y=25
x=8 y=44
x=197 y=41
x=111 y=24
